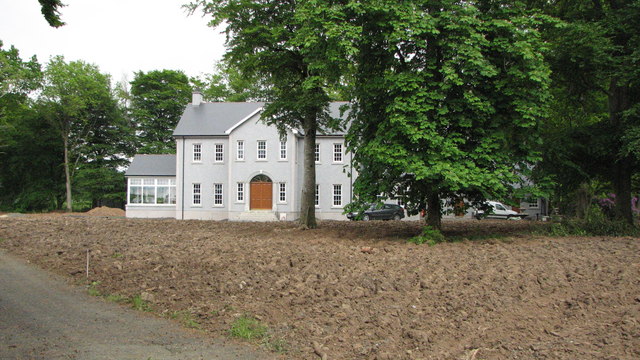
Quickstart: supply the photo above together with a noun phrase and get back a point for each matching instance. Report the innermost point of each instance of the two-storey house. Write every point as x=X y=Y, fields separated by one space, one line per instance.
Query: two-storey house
x=231 y=165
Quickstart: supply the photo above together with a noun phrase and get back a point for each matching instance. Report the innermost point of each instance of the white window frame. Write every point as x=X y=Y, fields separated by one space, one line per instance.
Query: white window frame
x=240 y=150
x=283 y=150
x=338 y=156
x=337 y=195
x=219 y=153
x=218 y=195
x=240 y=192
x=317 y=196
x=533 y=205
x=317 y=153
x=282 y=193
x=261 y=151
x=196 y=151
x=196 y=194
x=141 y=184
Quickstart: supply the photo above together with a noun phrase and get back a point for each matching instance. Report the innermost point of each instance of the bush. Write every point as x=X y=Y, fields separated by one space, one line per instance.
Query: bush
x=595 y=223
x=429 y=236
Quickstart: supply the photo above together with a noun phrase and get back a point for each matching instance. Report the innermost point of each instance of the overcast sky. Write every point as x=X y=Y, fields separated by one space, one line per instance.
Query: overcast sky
x=120 y=36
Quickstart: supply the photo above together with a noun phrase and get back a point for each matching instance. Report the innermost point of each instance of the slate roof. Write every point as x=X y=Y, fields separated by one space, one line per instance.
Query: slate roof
x=213 y=119
x=152 y=165
x=209 y=119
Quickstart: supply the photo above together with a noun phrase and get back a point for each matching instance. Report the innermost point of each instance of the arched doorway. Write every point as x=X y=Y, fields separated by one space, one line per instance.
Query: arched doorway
x=261 y=192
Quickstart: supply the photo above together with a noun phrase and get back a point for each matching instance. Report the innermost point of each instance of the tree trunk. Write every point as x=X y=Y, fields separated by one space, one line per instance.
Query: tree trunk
x=434 y=208
x=619 y=101
x=67 y=174
x=307 y=201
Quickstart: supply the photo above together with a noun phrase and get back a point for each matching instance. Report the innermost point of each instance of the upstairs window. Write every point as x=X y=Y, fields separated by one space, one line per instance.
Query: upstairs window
x=262 y=150
x=240 y=150
x=197 y=152
x=283 y=150
x=219 y=155
x=337 y=153
x=317 y=152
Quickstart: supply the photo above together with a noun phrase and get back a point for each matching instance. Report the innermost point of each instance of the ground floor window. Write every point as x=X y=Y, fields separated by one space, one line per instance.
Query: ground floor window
x=152 y=191
x=197 y=194
x=337 y=195
x=317 y=199
x=282 y=197
x=217 y=195
x=240 y=193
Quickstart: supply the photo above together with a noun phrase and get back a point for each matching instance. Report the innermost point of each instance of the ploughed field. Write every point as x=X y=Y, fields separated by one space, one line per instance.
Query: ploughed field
x=357 y=290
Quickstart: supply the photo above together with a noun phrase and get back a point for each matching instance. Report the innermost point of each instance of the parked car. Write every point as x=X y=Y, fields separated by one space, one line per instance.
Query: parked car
x=497 y=210
x=379 y=212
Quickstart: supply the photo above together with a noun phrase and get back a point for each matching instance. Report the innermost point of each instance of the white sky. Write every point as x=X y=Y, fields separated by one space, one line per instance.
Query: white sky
x=120 y=36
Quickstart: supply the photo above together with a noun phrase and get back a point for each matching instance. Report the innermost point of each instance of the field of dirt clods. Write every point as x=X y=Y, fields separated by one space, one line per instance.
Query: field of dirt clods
x=356 y=290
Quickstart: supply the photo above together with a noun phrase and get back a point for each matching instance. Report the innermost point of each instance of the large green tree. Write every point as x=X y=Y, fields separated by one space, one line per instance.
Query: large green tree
x=77 y=101
x=158 y=99
x=595 y=58
x=281 y=43
x=448 y=98
x=227 y=83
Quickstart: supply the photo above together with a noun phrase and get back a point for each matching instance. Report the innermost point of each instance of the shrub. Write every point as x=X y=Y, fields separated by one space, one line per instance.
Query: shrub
x=595 y=223
x=429 y=236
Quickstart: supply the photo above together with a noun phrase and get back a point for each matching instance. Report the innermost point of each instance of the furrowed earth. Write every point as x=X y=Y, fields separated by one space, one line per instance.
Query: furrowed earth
x=358 y=290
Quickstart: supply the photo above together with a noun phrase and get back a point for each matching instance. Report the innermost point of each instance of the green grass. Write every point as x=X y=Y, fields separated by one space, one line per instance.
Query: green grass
x=186 y=318
x=117 y=255
x=117 y=298
x=138 y=304
x=92 y=289
x=248 y=328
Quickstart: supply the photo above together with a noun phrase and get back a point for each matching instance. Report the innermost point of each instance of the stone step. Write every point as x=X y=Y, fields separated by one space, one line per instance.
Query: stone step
x=258 y=216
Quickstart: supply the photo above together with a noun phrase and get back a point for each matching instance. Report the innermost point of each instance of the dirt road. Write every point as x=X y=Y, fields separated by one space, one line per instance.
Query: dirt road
x=41 y=317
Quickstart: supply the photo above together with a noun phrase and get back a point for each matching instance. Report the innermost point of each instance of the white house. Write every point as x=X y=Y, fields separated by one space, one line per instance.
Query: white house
x=230 y=165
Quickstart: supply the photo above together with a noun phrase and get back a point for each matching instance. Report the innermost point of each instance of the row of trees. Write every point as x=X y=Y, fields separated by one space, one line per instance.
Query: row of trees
x=453 y=99
x=67 y=133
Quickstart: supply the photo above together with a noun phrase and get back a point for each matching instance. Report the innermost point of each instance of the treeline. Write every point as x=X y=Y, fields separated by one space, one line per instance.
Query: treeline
x=67 y=132
x=451 y=100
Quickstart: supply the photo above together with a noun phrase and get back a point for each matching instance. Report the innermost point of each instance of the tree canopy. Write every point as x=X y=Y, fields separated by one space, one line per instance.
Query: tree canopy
x=158 y=98
x=448 y=98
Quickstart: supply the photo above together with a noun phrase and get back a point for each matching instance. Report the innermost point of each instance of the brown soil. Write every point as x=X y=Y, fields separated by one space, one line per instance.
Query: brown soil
x=356 y=290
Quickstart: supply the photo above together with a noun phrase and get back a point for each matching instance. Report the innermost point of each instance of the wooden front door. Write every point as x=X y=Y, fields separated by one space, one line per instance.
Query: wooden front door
x=261 y=193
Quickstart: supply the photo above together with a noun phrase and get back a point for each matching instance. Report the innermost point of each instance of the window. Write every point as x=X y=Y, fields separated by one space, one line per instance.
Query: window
x=240 y=150
x=219 y=153
x=283 y=150
x=196 y=194
x=337 y=195
x=240 y=193
x=337 y=153
x=217 y=194
x=197 y=152
x=532 y=204
x=262 y=149
x=152 y=191
x=282 y=192
x=317 y=200
x=317 y=152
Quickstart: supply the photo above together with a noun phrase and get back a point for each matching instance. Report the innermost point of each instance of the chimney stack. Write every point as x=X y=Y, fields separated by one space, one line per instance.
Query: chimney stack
x=196 y=98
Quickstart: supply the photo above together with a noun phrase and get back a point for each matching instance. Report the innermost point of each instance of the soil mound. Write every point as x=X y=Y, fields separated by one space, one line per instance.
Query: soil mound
x=105 y=211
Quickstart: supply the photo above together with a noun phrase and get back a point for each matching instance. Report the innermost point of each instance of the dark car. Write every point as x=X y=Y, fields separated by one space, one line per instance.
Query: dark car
x=379 y=212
